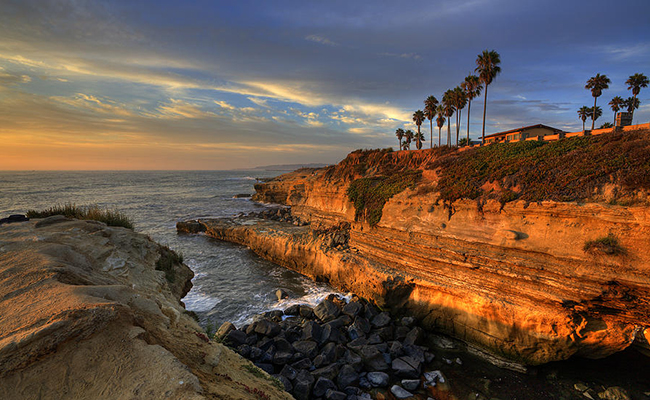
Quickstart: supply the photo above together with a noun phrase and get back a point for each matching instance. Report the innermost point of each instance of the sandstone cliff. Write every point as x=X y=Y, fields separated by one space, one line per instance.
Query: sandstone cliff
x=85 y=314
x=511 y=277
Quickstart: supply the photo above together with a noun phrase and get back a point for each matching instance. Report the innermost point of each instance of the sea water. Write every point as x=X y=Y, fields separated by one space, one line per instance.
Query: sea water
x=231 y=283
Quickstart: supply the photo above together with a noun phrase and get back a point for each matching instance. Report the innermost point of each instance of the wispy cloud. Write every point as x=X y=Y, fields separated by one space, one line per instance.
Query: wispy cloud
x=410 y=56
x=321 y=40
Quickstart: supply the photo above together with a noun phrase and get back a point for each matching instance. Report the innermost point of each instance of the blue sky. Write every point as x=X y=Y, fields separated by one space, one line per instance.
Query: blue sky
x=220 y=85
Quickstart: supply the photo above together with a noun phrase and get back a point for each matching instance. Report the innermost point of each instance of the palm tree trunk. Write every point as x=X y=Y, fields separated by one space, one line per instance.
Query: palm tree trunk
x=583 y=124
x=469 y=107
x=448 y=132
x=484 y=111
x=615 y=117
x=633 y=103
x=439 y=129
x=458 y=119
x=431 y=123
x=593 y=116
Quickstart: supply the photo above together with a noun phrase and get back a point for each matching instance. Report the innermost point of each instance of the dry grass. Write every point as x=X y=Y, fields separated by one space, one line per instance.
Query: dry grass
x=92 y=212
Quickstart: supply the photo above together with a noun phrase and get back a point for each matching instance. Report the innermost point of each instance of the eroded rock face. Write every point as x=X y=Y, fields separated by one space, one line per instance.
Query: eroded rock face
x=513 y=280
x=86 y=315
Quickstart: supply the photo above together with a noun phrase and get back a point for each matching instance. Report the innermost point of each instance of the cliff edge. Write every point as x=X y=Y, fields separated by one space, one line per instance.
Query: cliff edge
x=533 y=252
x=94 y=312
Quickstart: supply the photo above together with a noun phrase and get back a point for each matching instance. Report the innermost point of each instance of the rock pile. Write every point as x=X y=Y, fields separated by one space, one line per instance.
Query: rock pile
x=336 y=351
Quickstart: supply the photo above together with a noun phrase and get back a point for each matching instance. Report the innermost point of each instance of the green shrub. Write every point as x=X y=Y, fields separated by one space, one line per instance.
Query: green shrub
x=168 y=259
x=608 y=245
x=92 y=212
x=370 y=194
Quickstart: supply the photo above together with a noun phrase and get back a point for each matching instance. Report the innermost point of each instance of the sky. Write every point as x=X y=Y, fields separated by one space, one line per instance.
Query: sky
x=205 y=85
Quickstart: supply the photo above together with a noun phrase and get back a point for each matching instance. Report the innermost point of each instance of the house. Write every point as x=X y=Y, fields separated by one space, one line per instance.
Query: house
x=532 y=132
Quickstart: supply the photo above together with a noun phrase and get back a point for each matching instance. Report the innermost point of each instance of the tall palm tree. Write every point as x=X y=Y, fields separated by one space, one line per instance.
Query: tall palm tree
x=418 y=118
x=460 y=101
x=616 y=104
x=400 y=135
x=448 y=104
x=595 y=113
x=631 y=103
x=408 y=136
x=487 y=67
x=419 y=137
x=430 y=105
x=583 y=114
x=440 y=120
x=636 y=82
x=472 y=87
x=597 y=84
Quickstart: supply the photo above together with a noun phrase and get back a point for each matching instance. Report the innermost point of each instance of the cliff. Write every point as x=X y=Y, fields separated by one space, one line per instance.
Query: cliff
x=94 y=312
x=498 y=257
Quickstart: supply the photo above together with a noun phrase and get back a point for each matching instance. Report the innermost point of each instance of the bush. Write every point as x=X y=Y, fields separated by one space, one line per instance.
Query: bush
x=168 y=259
x=608 y=245
x=92 y=212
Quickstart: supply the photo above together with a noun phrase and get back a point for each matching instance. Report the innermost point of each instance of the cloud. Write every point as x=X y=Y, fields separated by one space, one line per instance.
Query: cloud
x=411 y=56
x=225 y=105
x=181 y=109
x=93 y=103
x=321 y=40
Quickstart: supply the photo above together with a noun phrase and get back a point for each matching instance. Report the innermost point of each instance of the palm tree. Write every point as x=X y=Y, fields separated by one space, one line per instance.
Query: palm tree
x=408 y=138
x=636 y=82
x=418 y=118
x=400 y=134
x=460 y=101
x=430 y=105
x=616 y=104
x=419 y=137
x=597 y=84
x=440 y=120
x=487 y=66
x=448 y=104
x=606 y=125
x=595 y=114
x=472 y=87
x=631 y=103
x=583 y=113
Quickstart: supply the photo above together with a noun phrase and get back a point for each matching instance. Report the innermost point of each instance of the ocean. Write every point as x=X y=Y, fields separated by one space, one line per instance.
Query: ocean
x=231 y=283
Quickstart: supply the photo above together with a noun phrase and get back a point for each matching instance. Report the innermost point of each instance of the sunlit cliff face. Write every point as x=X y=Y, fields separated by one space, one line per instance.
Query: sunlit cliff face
x=167 y=85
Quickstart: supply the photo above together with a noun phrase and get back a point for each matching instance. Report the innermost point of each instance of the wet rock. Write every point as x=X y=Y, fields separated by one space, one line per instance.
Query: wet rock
x=302 y=385
x=433 y=377
x=329 y=353
x=306 y=312
x=373 y=359
x=380 y=320
x=346 y=377
x=375 y=339
x=415 y=352
x=378 y=379
x=396 y=349
x=410 y=384
x=235 y=338
x=407 y=321
x=305 y=363
x=400 y=392
x=274 y=315
x=281 y=294
x=354 y=360
x=401 y=332
x=352 y=309
x=224 y=329
x=15 y=218
x=327 y=311
x=321 y=386
x=282 y=344
x=370 y=311
x=335 y=395
x=282 y=357
x=307 y=347
x=289 y=372
x=330 y=372
x=386 y=333
x=267 y=328
x=356 y=344
x=442 y=342
x=406 y=367
x=312 y=331
x=292 y=310
x=339 y=322
x=362 y=324
x=255 y=353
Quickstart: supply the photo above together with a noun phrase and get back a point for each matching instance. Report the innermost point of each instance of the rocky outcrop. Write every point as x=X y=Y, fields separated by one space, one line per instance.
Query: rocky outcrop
x=94 y=312
x=512 y=279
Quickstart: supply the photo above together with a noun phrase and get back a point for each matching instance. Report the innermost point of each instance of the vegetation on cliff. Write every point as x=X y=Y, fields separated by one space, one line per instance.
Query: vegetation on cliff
x=567 y=170
x=93 y=212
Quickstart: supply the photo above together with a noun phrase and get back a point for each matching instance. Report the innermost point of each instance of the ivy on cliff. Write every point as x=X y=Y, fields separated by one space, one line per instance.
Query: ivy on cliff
x=370 y=194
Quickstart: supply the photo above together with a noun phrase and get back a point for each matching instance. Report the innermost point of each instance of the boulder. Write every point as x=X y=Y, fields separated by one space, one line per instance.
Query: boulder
x=352 y=309
x=224 y=329
x=414 y=336
x=267 y=328
x=410 y=384
x=292 y=310
x=285 y=382
x=302 y=385
x=380 y=320
x=400 y=392
x=281 y=294
x=289 y=372
x=307 y=347
x=378 y=379
x=373 y=359
x=306 y=312
x=614 y=393
x=406 y=367
x=304 y=363
x=321 y=386
x=235 y=338
x=330 y=372
x=312 y=331
x=335 y=395
x=327 y=310
x=347 y=376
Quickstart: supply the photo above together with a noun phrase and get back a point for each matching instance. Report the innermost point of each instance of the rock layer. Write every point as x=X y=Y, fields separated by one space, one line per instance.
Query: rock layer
x=86 y=315
x=513 y=280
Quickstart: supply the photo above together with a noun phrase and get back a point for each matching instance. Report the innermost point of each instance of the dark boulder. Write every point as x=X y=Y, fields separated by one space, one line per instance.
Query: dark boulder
x=406 y=367
x=302 y=385
x=307 y=347
x=321 y=386
x=346 y=377
x=327 y=311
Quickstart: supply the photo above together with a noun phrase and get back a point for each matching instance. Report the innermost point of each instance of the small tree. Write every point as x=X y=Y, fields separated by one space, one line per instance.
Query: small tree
x=597 y=84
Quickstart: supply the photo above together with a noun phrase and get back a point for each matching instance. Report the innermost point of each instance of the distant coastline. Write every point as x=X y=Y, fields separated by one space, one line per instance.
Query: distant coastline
x=282 y=167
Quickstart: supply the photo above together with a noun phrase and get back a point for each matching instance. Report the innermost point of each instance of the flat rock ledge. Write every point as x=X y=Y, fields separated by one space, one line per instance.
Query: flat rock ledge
x=94 y=312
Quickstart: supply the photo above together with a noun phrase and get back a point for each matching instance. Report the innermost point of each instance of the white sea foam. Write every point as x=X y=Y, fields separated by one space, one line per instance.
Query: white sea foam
x=200 y=302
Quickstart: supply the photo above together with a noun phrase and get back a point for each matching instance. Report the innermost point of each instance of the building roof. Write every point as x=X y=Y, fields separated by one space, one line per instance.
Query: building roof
x=523 y=128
